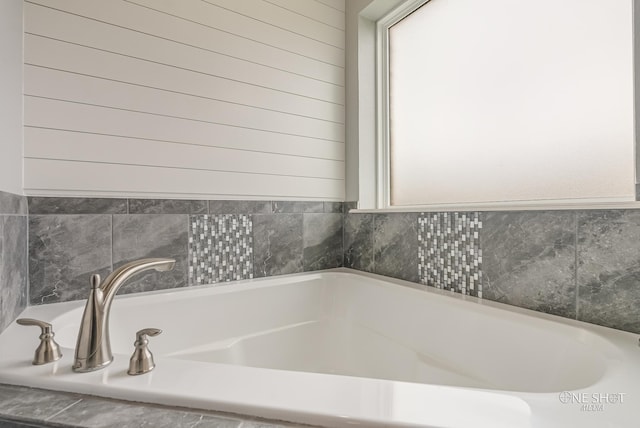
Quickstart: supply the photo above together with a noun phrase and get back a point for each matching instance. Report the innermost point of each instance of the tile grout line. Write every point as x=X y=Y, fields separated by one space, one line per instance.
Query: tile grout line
x=575 y=263
x=112 y=239
x=28 y=272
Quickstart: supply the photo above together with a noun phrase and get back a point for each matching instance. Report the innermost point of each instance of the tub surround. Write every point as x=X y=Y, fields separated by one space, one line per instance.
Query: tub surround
x=13 y=257
x=582 y=264
x=72 y=238
x=576 y=264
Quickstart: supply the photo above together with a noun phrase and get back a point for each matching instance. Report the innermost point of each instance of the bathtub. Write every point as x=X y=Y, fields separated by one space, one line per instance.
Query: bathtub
x=342 y=348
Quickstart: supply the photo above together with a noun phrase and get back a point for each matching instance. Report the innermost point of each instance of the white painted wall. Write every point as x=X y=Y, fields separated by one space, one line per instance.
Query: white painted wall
x=185 y=98
x=11 y=96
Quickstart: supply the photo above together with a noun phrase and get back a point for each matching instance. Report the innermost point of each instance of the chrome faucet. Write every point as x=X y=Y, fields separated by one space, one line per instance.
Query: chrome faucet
x=93 y=348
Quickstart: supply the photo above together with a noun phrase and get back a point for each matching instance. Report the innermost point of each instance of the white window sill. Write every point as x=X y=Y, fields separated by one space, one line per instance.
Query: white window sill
x=507 y=206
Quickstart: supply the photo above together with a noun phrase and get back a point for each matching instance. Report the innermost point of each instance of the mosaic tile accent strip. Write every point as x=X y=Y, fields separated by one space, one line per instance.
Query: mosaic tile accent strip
x=220 y=248
x=449 y=253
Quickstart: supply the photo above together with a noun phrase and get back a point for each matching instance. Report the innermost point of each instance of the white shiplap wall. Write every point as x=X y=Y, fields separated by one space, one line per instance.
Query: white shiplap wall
x=185 y=98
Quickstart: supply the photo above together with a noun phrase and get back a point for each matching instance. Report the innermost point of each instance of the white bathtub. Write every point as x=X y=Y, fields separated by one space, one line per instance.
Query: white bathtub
x=342 y=348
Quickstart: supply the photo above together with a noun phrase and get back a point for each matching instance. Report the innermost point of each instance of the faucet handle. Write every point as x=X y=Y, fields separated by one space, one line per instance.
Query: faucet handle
x=141 y=361
x=140 y=335
x=48 y=350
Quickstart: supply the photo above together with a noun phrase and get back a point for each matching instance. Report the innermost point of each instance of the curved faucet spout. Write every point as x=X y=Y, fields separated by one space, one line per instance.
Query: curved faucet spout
x=118 y=277
x=93 y=348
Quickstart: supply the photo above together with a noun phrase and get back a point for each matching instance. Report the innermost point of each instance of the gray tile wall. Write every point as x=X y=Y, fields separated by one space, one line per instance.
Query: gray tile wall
x=13 y=257
x=212 y=241
x=576 y=264
x=529 y=260
x=583 y=265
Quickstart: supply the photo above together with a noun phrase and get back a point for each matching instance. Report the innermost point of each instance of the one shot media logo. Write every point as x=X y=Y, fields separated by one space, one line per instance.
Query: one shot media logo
x=592 y=401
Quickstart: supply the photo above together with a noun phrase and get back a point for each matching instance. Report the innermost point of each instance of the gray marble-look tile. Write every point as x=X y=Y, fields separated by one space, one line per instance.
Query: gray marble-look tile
x=609 y=268
x=14 y=268
x=333 y=207
x=224 y=207
x=167 y=206
x=529 y=260
x=277 y=244
x=38 y=205
x=240 y=207
x=64 y=251
x=395 y=245
x=358 y=241
x=254 y=207
x=33 y=404
x=100 y=413
x=137 y=236
x=5 y=423
x=351 y=205
x=297 y=207
x=13 y=204
x=322 y=240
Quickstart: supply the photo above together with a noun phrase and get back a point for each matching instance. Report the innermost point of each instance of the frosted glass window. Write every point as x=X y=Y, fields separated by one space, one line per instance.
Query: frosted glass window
x=511 y=100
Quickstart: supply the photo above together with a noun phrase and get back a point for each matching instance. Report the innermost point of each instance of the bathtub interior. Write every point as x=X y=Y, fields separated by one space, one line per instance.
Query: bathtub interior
x=343 y=324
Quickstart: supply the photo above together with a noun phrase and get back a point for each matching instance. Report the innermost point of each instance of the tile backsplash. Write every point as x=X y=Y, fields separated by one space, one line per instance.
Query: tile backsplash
x=212 y=241
x=582 y=264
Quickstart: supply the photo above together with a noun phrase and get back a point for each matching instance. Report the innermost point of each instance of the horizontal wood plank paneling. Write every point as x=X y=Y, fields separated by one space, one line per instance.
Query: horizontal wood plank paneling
x=64 y=115
x=84 y=178
x=257 y=28
x=191 y=97
x=316 y=11
x=54 y=144
x=335 y=4
x=77 y=59
x=192 y=48
x=66 y=86
x=285 y=20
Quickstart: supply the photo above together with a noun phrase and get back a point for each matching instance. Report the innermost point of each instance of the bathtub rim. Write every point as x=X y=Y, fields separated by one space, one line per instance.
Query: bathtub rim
x=306 y=415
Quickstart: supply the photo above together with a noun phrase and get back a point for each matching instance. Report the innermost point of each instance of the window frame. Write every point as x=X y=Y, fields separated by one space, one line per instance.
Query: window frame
x=383 y=191
x=382 y=144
